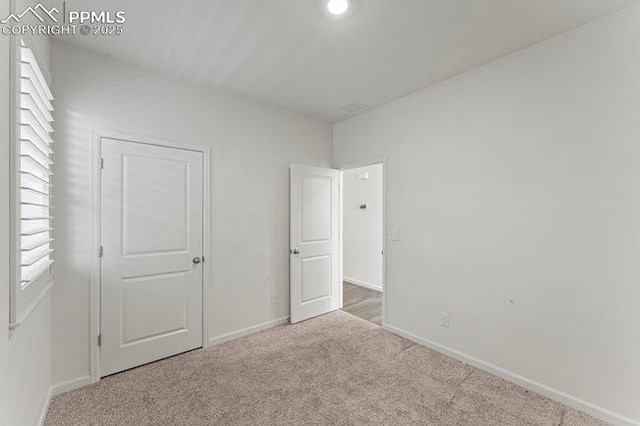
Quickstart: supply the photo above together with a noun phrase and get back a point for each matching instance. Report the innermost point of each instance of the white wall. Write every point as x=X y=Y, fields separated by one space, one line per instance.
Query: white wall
x=520 y=180
x=362 y=229
x=253 y=145
x=25 y=353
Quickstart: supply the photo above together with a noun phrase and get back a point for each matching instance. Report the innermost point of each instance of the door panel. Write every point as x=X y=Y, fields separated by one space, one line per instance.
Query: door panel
x=168 y=313
x=151 y=291
x=316 y=278
x=315 y=215
x=140 y=222
x=316 y=208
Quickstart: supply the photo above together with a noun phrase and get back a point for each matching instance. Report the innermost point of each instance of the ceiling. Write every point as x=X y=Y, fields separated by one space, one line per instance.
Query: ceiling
x=290 y=53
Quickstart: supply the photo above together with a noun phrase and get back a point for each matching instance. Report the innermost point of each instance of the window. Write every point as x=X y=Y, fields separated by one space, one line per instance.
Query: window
x=33 y=167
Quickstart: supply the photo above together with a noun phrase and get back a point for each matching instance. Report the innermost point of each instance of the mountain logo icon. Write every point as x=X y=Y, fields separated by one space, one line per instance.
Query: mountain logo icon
x=39 y=11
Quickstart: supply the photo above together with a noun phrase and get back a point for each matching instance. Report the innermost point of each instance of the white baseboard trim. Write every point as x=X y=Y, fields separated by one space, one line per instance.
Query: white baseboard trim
x=247 y=331
x=70 y=385
x=549 y=392
x=79 y=382
x=45 y=408
x=362 y=284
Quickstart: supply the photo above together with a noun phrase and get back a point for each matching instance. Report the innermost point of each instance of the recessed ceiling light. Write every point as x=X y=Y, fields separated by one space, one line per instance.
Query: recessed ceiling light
x=337 y=7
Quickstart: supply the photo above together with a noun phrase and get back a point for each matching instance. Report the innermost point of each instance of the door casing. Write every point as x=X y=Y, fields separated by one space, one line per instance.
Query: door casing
x=94 y=285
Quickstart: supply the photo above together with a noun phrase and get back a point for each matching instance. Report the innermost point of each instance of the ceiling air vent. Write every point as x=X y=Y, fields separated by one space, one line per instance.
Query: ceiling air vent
x=354 y=107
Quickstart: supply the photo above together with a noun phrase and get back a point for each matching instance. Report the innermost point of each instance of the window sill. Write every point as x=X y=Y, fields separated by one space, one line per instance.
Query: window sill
x=32 y=306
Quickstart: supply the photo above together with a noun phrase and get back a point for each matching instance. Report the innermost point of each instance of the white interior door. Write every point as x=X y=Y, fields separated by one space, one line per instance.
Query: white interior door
x=151 y=236
x=315 y=245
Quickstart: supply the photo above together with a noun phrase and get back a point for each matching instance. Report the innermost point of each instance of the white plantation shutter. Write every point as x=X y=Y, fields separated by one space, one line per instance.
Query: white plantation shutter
x=34 y=164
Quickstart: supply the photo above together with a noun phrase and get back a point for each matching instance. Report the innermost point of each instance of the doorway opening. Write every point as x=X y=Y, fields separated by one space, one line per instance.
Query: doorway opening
x=363 y=242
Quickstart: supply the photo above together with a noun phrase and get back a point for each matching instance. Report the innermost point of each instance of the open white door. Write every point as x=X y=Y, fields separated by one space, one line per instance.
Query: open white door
x=315 y=245
x=152 y=221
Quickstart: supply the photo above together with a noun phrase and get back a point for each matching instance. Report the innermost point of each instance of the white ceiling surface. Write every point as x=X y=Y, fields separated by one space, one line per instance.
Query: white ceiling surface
x=291 y=54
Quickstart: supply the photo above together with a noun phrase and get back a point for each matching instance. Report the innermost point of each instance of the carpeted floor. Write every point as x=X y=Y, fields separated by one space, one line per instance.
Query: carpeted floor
x=333 y=370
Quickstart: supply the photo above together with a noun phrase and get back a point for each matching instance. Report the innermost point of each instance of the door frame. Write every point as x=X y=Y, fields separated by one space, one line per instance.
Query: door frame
x=349 y=165
x=96 y=223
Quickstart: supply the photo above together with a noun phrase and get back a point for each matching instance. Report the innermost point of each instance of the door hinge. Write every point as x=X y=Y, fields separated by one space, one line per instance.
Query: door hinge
x=101 y=163
x=99 y=339
x=101 y=251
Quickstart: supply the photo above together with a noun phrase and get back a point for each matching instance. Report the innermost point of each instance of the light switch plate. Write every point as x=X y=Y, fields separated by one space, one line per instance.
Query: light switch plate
x=394 y=234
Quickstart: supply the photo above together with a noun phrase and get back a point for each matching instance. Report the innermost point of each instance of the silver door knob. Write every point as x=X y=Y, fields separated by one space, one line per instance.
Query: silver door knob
x=295 y=251
x=197 y=260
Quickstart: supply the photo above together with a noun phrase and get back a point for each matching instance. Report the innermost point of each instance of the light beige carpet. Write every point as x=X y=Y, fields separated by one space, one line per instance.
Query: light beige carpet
x=332 y=370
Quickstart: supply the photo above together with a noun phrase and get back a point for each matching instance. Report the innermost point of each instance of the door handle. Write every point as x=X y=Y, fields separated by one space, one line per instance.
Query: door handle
x=196 y=260
x=295 y=251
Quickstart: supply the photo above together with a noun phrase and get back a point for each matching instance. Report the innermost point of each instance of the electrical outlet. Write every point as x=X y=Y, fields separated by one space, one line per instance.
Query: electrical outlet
x=274 y=298
x=444 y=319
